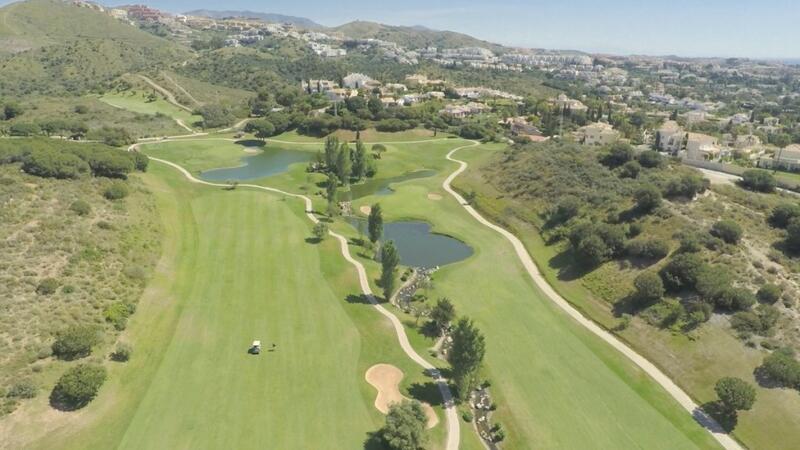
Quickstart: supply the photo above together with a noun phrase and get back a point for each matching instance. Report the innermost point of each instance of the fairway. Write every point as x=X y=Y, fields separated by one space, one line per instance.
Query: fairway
x=556 y=385
x=135 y=101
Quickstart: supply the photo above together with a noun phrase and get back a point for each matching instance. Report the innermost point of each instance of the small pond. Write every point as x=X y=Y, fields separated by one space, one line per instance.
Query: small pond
x=382 y=186
x=269 y=161
x=417 y=246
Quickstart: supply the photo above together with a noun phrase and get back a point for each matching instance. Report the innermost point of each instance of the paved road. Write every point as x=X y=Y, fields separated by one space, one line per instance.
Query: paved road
x=451 y=415
x=525 y=258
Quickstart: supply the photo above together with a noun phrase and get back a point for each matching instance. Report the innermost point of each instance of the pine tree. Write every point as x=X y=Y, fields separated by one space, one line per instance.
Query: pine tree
x=466 y=356
x=343 y=163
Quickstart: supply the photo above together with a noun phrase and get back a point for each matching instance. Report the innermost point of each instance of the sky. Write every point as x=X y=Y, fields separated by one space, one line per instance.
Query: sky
x=744 y=28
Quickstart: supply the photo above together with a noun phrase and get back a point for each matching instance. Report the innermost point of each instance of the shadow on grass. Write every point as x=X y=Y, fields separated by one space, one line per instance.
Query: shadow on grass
x=251 y=143
x=374 y=441
x=426 y=392
x=726 y=418
x=429 y=329
x=61 y=404
x=567 y=266
x=357 y=299
x=313 y=240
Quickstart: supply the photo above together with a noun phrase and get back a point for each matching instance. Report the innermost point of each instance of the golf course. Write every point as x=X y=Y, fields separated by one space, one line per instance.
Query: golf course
x=555 y=383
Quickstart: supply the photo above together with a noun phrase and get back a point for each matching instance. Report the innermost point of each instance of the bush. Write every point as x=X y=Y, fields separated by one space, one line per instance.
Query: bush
x=769 y=293
x=140 y=161
x=116 y=190
x=566 y=208
x=50 y=163
x=782 y=214
x=393 y=125
x=122 y=353
x=75 y=342
x=650 y=159
x=81 y=207
x=117 y=314
x=727 y=230
x=652 y=248
x=79 y=385
x=647 y=198
x=111 y=164
x=649 y=288
x=216 y=116
x=793 y=235
x=115 y=137
x=473 y=131
x=681 y=271
x=47 y=286
x=687 y=185
x=617 y=155
x=630 y=169
x=320 y=231
x=736 y=394
x=782 y=367
x=23 y=389
x=758 y=180
x=735 y=299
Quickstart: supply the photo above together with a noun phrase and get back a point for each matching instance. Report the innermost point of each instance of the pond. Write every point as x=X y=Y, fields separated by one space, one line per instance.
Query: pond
x=270 y=161
x=417 y=246
x=381 y=186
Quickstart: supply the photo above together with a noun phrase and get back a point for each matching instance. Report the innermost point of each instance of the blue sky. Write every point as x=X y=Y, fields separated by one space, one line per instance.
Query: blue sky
x=748 y=28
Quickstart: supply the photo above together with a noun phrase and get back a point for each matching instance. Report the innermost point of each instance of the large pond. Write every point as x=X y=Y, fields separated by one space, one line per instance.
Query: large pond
x=269 y=161
x=382 y=186
x=417 y=246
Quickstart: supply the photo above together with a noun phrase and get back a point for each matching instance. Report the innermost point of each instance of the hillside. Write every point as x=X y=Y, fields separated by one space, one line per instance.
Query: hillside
x=267 y=17
x=54 y=47
x=412 y=37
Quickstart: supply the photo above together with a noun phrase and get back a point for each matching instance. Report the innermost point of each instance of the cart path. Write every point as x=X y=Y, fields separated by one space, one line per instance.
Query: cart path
x=451 y=415
x=654 y=372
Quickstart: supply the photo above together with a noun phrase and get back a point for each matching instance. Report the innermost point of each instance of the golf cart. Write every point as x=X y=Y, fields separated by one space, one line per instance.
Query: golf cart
x=255 y=349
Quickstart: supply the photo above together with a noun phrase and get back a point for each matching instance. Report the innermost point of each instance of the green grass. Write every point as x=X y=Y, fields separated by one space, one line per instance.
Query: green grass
x=557 y=385
x=137 y=102
x=236 y=267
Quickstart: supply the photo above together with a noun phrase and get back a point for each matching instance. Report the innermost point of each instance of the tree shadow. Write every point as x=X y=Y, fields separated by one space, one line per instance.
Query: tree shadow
x=764 y=380
x=357 y=299
x=429 y=329
x=374 y=441
x=726 y=418
x=426 y=392
x=251 y=143
x=313 y=240
x=568 y=268
x=61 y=404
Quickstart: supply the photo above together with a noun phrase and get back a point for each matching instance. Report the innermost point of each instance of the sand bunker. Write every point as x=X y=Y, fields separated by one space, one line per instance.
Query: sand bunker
x=386 y=379
x=365 y=210
x=251 y=150
x=434 y=196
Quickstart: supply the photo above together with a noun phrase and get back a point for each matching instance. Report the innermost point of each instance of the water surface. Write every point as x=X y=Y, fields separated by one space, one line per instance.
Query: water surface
x=270 y=161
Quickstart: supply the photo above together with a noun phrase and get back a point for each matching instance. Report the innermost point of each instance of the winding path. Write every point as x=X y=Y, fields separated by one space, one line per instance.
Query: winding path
x=525 y=258
x=451 y=415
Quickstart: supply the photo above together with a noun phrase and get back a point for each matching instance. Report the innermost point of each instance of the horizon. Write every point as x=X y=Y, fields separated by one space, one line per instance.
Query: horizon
x=762 y=32
x=732 y=29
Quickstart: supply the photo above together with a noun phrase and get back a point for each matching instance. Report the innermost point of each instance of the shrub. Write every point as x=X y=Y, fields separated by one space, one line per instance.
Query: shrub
x=769 y=293
x=782 y=214
x=47 y=286
x=122 y=352
x=649 y=288
x=736 y=299
x=216 y=116
x=647 y=198
x=81 y=207
x=111 y=164
x=116 y=190
x=758 y=180
x=736 y=394
x=467 y=416
x=75 y=342
x=687 y=185
x=566 y=208
x=782 y=367
x=617 y=155
x=79 y=385
x=793 y=235
x=115 y=137
x=712 y=281
x=23 y=389
x=681 y=271
x=650 y=159
x=320 y=231
x=727 y=230
x=473 y=131
x=140 y=161
x=630 y=169
x=651 y=248
x=117 y=314
x=50 y=163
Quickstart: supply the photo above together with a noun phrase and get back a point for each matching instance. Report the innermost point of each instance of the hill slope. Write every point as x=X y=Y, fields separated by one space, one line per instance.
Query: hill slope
x=412 y=37
x=52 y=46
x=267 y=17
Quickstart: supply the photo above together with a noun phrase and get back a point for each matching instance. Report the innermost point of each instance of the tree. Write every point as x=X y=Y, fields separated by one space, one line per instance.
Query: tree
x=320 y=231
x=735 y=393
x=378 y=149
x=648 y=248
x=405 y=426
x=140 y=161
x=617 y=155
x=359 y=168
x=374 y=105
x=442 y=314
x=216 y=116
x=331 y=186
x=650 y=159
x=647 y=198
x=389 y=261
x=782 y=367
x=79 y=385
x=261 y=128
x=50 y=163
x=783 y=213
x=466 y=356
x=331 y=152
x=649 y=288
x=793 y=235
x=759 y=180
x=630 y=169
x=375 y=223
x=681 y=271
x=566 y=208
x=343 y=163
x=75 y=342
x=727 y=230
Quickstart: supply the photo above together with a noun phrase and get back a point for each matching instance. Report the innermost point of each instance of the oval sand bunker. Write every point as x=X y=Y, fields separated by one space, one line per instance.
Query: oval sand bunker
x=386 y=379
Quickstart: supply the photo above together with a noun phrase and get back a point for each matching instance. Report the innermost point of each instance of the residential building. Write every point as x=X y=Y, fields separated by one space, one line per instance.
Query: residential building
x=358 y=81
x=599 y=133
x=787 y=158
x=747 y=141
x=702 y=146
x=562 y=101
x=669 y=138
